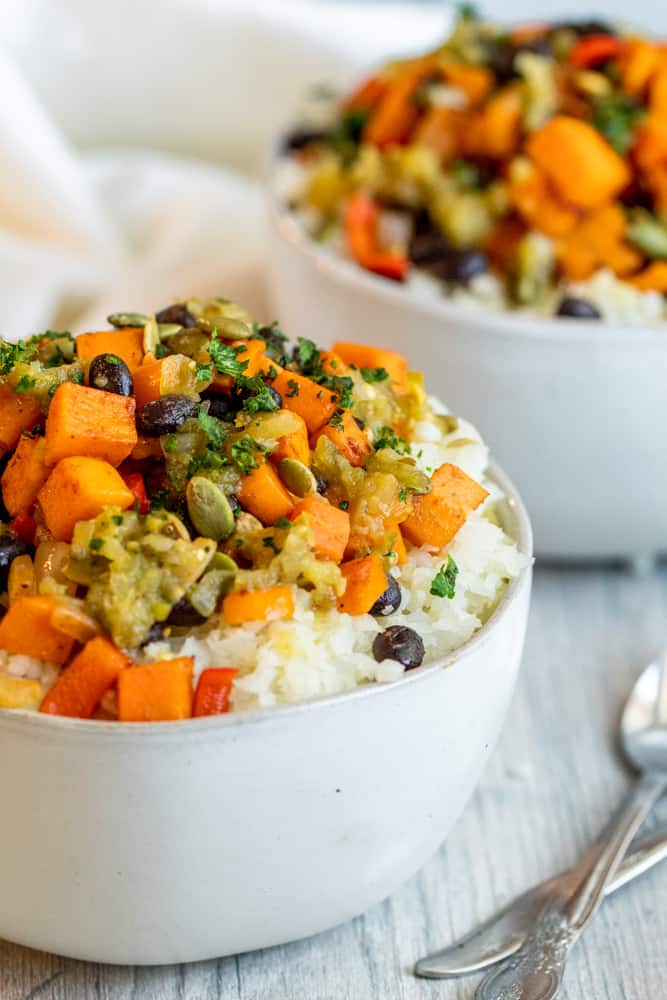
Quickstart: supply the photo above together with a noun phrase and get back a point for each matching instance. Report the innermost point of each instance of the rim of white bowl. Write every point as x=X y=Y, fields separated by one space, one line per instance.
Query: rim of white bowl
x=347 y=273
x=523 y=536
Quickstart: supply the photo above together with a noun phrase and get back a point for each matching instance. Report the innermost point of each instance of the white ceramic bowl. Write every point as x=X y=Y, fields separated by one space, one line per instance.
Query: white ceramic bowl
x=175 y=842
x=575 y=411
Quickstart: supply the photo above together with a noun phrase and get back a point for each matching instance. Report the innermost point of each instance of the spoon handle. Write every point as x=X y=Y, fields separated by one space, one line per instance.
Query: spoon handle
x=535 y=972
x=502 y=934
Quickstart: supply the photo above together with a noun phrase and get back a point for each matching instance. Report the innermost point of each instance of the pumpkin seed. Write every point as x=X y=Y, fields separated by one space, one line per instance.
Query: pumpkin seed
x=227 y=328
x=297 y=477
x=168 y=329
x=151 y=335
x=448 y=422
x=209 y=508
x=127 y=319
x=224 y=562
x=214 y=584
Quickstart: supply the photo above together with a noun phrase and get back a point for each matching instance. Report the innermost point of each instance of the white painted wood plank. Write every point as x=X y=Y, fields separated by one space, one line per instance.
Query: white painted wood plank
x=552 y=783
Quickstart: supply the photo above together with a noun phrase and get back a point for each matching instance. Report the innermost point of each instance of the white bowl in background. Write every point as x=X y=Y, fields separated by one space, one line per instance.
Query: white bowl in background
x=173 y=842
x=575 y=411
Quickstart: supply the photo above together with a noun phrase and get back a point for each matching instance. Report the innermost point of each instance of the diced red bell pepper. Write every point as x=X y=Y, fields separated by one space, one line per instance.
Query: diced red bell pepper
x=24 y=527
x=213 y=690
x=591 y=50
x=135 y=483
x=361 y=230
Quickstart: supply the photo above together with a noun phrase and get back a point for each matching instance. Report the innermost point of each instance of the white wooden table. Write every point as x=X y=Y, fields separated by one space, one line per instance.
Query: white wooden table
x=551 y=784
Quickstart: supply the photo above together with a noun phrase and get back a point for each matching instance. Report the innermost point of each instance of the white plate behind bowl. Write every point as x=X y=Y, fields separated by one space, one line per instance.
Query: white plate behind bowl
x=573 y=410
x=173 y=842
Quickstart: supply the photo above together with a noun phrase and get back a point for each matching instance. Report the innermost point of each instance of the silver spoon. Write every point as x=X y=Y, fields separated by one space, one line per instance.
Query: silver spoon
x=535 y=971
x=503 y=934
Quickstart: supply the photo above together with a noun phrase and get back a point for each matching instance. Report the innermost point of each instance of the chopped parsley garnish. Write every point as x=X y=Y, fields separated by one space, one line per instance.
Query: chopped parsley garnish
x=95 y=544
x=385 y=437
x=616 y=116
x=344 y=504
x=371 y=375
x=214 y=429
x=225 y=357
x=25 y=384
x=261 y=398
x=112 y=359
x=204 y=373
x=13 y=354
x=282 y=522
x=209 y=461
x=269 y=543
x=309 y=358
x=170 y=442
x=444 y=581
x=403 y=495
x=117 y=519
x=161 y=351
x=243 y=454
x=337 y=421
x=158 y=500
x=293 y=388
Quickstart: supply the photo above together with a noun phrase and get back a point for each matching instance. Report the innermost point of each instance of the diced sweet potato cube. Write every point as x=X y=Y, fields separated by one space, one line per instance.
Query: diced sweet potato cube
x=437 y=516
x=156 y=692
x=79 y=489
x=79 y=689
x=330 y=526
x=89 y=422
x=365 y=580
x=126 y=343
x=25 y=475
x=27 y=629
x=348 y=437
x=262 y=494
x=18 y=412
x=315 y=403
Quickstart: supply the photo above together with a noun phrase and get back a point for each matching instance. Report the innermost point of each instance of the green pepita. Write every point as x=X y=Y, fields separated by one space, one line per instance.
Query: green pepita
x=168 y=330
x=127 y=319
x=226 y=327
x=151 y=335
x=297 y=477
x=214 y=584
x=209 y=508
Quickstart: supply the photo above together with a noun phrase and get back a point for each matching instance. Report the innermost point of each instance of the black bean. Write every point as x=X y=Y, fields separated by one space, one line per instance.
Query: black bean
x=360 y=424
x=165 y=415
x=574 y=308
x=220 y=405
x=10 y=548
x=183 y=615
x=300 y=137
x=389 y=601
x=398 y=642
x=460 y=266
x=178 y=314
x=501 y=57
x=110 y=373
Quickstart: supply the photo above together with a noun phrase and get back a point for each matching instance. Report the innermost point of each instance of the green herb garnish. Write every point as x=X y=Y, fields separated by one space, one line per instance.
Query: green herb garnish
x=95 y=544
x=243 y=454
x=444 y=581
x=385 y=437
x=25 y=384
x=225 y=357
x=371 y=375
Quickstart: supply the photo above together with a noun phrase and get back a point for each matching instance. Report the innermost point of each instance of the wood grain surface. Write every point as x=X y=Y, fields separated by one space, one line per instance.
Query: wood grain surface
x=552 y=783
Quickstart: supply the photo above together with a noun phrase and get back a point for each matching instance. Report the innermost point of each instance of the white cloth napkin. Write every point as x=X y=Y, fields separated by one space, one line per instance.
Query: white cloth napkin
x=131 y=133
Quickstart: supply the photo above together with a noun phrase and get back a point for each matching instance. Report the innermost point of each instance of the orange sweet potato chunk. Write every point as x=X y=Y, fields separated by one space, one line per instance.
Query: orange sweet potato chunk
x=127 y=343
x=156 y=692
x=78 y=489
x=437 y=516
x=25 y=475
x=27 y=629
x=84 y=421
x=18 y=412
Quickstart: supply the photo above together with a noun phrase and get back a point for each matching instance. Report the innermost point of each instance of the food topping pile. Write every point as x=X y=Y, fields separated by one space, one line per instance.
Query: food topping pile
x=192 y=477
x=517 y=165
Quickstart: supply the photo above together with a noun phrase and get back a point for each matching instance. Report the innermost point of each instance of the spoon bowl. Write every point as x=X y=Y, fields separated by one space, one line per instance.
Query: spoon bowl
x=643 y=729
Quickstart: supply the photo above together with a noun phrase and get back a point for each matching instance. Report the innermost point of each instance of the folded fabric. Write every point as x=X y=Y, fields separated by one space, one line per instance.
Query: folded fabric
x=131 y=147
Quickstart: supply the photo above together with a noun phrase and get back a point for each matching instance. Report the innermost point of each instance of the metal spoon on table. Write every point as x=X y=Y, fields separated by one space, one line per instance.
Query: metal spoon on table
x=503 y=934
x=535 y=971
